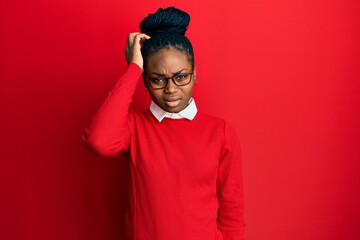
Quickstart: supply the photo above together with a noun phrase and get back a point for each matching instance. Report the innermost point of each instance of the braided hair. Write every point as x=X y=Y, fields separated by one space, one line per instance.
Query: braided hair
x=167 y=28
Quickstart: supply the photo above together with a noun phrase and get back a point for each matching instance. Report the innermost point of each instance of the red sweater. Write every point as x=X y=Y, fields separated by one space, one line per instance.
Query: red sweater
x=186 y=176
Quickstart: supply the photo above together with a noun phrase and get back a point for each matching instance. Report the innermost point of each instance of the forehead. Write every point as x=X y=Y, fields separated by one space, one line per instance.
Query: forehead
x=167 y=60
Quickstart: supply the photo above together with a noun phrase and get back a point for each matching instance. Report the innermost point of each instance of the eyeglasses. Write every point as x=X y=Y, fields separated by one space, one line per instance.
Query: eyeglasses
x=160 y=82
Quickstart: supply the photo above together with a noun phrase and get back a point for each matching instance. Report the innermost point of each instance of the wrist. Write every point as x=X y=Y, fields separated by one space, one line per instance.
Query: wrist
x=140 y=65
x=136 y=66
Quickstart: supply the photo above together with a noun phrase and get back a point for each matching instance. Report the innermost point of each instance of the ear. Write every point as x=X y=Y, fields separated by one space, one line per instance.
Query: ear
x=194 y=74
x=145 y=82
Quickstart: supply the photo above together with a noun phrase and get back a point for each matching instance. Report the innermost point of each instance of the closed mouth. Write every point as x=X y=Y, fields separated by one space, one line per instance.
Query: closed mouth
x=171 y=99
x=172 y=102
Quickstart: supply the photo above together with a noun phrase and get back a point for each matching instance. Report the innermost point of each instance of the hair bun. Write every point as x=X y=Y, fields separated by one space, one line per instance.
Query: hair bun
x=165 y=21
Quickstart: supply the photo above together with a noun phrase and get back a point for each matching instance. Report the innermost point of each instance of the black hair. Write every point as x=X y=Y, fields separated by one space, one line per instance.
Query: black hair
x=167 y=28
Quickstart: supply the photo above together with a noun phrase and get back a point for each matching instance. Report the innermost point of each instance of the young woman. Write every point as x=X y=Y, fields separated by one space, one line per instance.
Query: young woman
x=186 y=177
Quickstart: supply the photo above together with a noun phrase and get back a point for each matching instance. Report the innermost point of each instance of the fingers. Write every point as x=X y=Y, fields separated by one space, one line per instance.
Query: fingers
x=134 y=42
x=137 y=38
x=133 y=46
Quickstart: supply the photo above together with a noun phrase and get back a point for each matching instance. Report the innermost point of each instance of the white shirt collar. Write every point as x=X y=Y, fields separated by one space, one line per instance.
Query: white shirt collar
x=189 y=112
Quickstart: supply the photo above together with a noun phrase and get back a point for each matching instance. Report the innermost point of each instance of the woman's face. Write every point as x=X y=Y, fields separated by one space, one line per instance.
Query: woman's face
x=168 y=63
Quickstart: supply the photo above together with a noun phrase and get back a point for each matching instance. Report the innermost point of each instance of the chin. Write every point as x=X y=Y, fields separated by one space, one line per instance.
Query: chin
x=174 y=109
x=171 y=110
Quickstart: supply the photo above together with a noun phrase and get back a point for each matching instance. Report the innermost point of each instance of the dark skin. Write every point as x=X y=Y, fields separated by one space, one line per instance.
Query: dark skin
x=166 y=62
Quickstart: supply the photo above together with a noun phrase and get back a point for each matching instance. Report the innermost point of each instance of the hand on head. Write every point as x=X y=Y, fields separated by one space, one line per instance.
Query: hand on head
x=133 y=46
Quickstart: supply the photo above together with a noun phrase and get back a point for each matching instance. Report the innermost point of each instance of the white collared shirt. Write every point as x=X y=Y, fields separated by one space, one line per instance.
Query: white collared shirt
x=189 y=112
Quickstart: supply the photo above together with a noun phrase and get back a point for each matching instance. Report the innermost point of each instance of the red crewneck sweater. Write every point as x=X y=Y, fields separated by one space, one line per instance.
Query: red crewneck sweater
x=186 y=176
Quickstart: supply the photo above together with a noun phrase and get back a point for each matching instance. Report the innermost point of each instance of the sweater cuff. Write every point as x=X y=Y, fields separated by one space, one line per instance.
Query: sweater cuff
x=134 y=69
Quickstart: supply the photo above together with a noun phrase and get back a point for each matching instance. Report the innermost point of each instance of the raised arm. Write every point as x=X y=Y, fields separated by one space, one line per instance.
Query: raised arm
x=230 y=188
x=109 y=133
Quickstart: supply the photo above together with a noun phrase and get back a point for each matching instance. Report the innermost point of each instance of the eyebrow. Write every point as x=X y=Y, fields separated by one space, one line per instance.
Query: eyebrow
x=174 y=73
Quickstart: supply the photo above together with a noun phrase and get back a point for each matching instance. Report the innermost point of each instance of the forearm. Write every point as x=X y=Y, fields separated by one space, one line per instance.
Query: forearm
x=230 y=189
x=109 y=133
x=231 y=211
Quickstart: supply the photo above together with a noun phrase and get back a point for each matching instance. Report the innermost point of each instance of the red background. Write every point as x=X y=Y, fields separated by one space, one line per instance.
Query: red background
x=284 y=73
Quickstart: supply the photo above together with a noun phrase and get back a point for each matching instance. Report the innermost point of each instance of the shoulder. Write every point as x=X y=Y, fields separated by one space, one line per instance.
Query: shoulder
x=217 y=124
x=203 y=117
x=227 y=129
x=209 y=119
x=143 y=115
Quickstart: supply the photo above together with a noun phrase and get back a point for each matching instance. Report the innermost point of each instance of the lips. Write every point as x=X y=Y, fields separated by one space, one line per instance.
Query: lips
x=172 y=102
x=172 y=99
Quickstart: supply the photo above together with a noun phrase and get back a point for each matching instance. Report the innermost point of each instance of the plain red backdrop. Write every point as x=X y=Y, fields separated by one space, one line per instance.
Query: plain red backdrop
x=284 y=73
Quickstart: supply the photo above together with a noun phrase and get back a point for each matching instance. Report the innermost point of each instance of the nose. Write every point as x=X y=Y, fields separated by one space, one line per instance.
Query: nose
x=170 y=87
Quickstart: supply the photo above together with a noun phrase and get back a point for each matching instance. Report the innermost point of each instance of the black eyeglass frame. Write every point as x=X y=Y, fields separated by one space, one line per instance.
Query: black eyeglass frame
x=167 y=80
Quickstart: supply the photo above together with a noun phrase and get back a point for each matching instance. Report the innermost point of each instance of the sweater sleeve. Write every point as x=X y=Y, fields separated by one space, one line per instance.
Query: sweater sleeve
x=230 y=188
x=109 y=132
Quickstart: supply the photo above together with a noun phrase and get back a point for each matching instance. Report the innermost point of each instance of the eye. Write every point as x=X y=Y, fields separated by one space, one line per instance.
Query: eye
x=157 y=80
x=181 y=77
